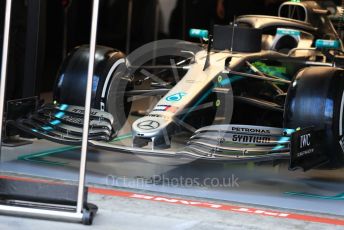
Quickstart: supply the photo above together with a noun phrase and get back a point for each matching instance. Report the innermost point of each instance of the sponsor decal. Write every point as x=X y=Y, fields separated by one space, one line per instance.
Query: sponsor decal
x=305 y=140
x=261 y=212
x=291 y=32
x=218 y=103
x=148 y=125
x=250 y=139
x=81 y=111
x=166 y=108
x=73 y=119
x=153 y=115
x=161 y=108
x=304 y=153
x=172 y=109
x=250 y=130
x=176 y=97
x=166 y=118
x=176 y=201
x=305 y=145
x=307 y=149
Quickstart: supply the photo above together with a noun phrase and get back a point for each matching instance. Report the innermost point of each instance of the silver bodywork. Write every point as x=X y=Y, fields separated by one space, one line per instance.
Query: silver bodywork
x=160 y=122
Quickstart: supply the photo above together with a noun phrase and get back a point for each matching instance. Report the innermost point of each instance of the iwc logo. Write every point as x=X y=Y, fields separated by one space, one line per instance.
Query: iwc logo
x=148 y=125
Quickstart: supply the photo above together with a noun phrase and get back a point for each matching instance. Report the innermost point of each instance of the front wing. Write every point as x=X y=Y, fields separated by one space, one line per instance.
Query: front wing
x=237 y=143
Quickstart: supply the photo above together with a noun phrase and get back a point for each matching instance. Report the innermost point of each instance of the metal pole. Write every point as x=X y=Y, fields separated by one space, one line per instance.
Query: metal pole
x=83 y=158
x=130 y=16
x=4 y=63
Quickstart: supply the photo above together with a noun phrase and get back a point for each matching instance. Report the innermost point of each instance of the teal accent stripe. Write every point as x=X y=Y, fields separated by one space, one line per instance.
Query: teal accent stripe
x=55 y=122
x=47 y=128
x=59 y=114
x=123 y=137
x=36 y=157
x=284 y=140
x=289 y=131
x=340 y=196
x=278 y=147
x=204 y=96
x=63 y=107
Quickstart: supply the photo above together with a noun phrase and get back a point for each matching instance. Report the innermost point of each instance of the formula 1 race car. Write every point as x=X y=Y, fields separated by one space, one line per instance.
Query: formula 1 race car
x=263 y=88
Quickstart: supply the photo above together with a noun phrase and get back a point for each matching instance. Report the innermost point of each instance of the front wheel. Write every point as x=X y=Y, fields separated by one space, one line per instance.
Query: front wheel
x=316 y=99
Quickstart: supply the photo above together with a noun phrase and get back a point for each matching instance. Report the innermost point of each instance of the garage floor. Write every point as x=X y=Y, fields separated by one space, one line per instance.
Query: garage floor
x=267 y=185
x=123 y=213
x=116 y=212
x=319 y=193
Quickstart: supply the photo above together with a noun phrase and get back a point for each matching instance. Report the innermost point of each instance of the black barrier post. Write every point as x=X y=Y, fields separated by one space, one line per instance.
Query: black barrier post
x=35 y=46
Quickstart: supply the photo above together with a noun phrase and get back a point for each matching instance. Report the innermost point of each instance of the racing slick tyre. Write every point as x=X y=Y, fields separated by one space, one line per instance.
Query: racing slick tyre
x=315 y=99
x=109 y=85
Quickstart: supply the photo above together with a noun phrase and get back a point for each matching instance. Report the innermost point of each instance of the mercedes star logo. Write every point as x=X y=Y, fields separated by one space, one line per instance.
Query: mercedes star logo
x=148 y=125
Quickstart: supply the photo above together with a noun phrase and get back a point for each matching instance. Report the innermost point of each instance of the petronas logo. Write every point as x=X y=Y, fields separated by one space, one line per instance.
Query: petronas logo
x=176 y=97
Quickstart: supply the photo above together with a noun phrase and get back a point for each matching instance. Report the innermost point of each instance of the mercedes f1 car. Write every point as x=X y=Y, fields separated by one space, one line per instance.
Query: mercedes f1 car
x=260 y=89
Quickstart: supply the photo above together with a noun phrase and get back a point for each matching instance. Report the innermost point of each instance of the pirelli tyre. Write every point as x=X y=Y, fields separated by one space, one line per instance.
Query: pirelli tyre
x=109 y=83
x=315 y=99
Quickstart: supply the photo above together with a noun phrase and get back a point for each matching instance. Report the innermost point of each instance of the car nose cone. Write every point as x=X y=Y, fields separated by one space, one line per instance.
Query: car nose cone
x=148 y=125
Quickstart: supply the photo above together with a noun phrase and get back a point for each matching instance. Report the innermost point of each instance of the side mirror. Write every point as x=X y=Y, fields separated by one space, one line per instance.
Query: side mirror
x=198 y=33
x=327 y=44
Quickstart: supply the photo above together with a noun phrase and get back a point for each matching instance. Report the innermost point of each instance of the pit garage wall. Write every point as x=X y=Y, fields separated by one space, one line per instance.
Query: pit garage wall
x=167 y=7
